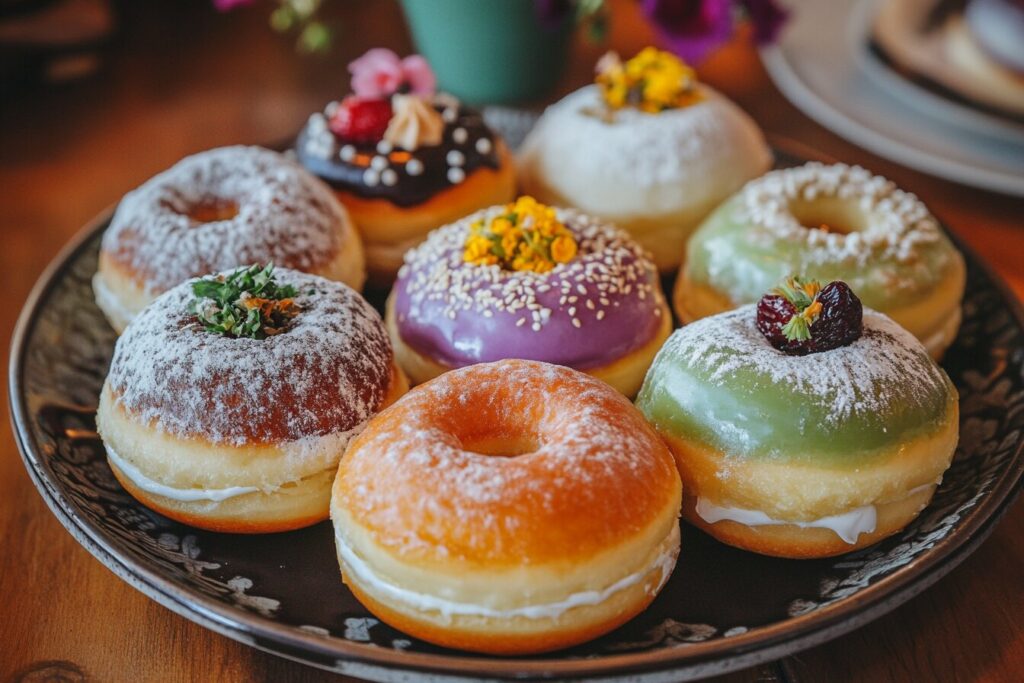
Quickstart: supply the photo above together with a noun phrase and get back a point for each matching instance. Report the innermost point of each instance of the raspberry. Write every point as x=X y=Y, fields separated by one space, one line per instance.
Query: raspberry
x=798 y=317
x=361 y=120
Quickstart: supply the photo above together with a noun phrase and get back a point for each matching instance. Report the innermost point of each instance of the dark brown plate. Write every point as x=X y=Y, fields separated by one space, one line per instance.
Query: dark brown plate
x=722 y=609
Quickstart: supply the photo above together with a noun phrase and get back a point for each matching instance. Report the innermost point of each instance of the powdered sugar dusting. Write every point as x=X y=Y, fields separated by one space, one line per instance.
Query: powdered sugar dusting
x=599 y=471
x=887 y=365
x=327 y=373
x=898 y=224
x=285 y=215
x=674 y=147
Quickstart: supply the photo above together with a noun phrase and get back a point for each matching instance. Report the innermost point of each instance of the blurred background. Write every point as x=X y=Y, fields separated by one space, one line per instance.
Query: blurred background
x=96 y=96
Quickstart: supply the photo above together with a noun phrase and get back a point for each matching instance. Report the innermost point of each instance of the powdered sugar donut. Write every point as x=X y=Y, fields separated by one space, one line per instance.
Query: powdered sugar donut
x=242 y=434
x=801 y=455
x=829 y=222
x=217 y=210
x=507 y=507
x=656 y=175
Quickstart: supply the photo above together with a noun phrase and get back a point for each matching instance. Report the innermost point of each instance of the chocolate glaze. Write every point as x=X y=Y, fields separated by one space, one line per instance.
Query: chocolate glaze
x=322 y=152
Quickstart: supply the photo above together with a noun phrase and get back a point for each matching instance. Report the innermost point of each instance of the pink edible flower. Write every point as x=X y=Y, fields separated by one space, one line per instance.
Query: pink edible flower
x=381 y=73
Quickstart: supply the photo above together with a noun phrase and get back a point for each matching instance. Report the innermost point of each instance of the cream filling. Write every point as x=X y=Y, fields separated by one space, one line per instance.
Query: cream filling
x=665 y=561
x=847 y=525
x=185 y=495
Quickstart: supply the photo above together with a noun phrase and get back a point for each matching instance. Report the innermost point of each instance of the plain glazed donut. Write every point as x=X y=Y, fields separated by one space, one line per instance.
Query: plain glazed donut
x=238 y=434
x=828 y=222
x=601 y=312
x=218 y=210
x=801 y=456
x=508 y=507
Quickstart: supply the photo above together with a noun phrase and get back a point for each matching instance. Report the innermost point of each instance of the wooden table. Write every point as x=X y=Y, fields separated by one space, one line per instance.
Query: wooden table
x=182 y=78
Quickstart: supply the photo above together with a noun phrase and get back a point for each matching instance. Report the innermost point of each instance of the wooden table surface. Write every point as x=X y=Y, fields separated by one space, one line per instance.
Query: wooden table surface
x=182 y=78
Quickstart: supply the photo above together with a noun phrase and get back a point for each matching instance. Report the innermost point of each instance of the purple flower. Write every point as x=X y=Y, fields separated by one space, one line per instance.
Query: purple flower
x=691 y=28
x=228 y=5
x=767 y=18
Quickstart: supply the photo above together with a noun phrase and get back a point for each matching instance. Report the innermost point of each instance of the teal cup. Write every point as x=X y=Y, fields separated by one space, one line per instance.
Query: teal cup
x=492 y=51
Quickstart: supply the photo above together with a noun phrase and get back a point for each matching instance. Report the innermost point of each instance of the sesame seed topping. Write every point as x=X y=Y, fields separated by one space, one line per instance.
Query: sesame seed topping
x=607 y=260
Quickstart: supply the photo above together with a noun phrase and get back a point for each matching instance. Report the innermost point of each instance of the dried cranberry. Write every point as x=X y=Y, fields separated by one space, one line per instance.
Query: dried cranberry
x=773 y=312
x=797 y=319
x=841 y=321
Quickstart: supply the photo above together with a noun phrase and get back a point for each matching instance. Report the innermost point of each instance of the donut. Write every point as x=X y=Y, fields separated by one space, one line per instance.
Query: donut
x=587 y=297
x=234 y=433
x=429 y=161
x=802 y=456
x=832 y=222
x=509 y=508
x=656 y=171
x=218 y=210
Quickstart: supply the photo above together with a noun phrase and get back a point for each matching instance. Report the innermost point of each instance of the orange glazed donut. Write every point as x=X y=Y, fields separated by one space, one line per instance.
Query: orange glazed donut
x=509 y=507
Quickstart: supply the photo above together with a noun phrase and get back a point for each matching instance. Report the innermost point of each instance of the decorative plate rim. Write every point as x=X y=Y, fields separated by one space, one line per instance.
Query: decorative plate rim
x=717 y=656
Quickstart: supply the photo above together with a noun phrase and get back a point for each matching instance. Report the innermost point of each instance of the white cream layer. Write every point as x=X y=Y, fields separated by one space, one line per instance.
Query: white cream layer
x=186 y=495
x=848 y=525
x=421 y=601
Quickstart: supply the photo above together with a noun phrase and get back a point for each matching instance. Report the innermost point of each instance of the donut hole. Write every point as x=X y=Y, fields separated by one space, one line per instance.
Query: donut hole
x=502 y=446
x=829 y=214
x=212 y=209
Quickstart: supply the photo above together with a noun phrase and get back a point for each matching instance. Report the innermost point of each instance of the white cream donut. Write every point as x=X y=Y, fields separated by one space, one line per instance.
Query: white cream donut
x=655 y=175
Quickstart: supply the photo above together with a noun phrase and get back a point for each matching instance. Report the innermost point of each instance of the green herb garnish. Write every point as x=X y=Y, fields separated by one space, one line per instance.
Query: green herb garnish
x=246 y=303
x=803 y=295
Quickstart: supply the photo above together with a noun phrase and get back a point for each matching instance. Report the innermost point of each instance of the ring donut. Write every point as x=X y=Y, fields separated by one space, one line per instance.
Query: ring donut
x=828 y=222
x=507 y=507
x=218 y=210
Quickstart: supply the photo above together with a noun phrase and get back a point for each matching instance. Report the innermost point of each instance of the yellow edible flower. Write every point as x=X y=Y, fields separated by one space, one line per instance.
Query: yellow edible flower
x=527 y=236
x=652 y=81
x=563 y=249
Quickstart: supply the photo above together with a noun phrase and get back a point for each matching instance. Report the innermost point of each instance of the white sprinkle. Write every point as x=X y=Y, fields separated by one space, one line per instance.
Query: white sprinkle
x=450 y=114
x=414 y=167
x=379 y=163
x=459 y=135
x=389 y=177
x=455 y=158
x=371 y=177
x=483 y=146
x=384 y=147
x=347 y=153
x=456 y=175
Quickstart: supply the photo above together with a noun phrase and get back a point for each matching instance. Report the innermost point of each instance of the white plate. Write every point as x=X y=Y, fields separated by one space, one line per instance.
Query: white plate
x=819 y=65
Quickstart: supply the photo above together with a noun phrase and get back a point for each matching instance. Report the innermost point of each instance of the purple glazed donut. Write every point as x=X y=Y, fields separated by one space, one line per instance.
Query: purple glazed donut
x=602 y=312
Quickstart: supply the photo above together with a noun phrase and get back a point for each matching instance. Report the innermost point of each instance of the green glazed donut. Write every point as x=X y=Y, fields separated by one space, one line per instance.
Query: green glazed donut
x=830 y=223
